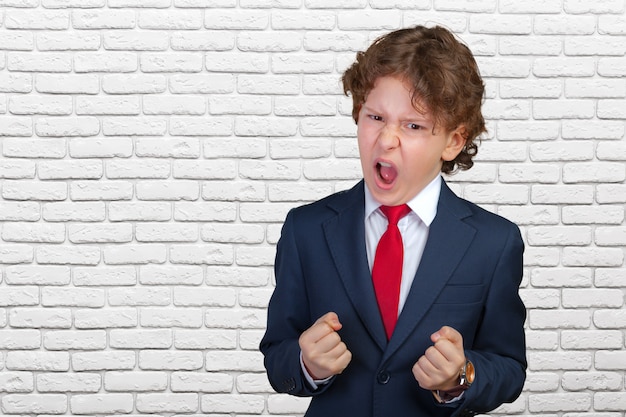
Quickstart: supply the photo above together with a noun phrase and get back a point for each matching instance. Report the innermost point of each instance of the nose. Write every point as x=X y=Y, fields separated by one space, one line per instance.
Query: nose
x=389 y=137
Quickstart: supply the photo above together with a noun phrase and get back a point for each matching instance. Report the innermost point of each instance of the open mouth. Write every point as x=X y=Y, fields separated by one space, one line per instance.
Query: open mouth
x=387 y=173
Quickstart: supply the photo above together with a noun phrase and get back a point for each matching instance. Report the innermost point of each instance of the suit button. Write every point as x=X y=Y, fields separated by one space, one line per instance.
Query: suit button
x=383 y=377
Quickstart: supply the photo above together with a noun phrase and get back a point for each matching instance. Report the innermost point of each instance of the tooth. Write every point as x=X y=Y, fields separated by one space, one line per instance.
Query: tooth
x=385 y=164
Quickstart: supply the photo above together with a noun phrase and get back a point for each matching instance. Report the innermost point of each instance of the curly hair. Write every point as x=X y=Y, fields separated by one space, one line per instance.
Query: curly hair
x=443 y=76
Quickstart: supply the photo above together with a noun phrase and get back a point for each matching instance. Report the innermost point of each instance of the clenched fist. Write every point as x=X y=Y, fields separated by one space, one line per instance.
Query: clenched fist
x=438 y=368
x=323 y=352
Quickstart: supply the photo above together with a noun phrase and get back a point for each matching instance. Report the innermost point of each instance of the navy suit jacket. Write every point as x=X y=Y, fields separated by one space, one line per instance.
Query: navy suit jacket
x=468 y=278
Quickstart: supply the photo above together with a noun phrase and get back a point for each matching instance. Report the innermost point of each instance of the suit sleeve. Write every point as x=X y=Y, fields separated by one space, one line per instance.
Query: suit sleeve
x=288 y=316
x=499 y=349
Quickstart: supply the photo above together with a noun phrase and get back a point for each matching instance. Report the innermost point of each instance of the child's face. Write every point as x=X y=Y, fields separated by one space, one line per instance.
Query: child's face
x=399 y=153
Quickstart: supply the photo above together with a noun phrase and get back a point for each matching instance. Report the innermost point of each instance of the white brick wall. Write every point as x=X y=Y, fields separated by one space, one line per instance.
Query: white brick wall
x=150 y=149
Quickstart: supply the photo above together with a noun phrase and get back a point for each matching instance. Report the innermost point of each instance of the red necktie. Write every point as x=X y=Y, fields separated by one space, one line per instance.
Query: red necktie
x=387 y=269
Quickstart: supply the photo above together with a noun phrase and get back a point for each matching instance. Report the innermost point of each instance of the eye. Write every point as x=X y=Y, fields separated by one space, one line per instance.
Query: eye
x=414 y=126
x=375 y=117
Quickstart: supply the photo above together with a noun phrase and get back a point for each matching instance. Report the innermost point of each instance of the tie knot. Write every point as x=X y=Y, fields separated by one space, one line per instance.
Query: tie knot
x=395 y=213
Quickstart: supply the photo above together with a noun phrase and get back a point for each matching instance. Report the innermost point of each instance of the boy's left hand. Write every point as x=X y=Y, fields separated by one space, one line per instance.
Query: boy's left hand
x=438 y=368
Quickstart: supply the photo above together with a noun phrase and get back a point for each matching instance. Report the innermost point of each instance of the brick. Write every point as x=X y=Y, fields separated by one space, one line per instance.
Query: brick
x=67 y=83
x=75 y=211
x=167 y=402
x=17 y=41
x=171 y=317
x=504 y=67
x=228 y=62
x=559 y=319
x=17 y=169
x=609 y=319
x=101 y=403
x=233 y=233
x=104 y=276
x=73 y=382
x=34 y=104
x=183 y=105
x=612 y=67
x=594 y=381
x=38 y=361
x=561 y=194
x=610 y=360
x=15 y=126
x=135 y=254
x=540 y=299
x=532 y=173
x=158 y=232
x=16 y=382
x=558 y=151
x=15 y=83
x=139 y=296
x=205 y=3
x=202 y=83
x=591 y=339
x=34 y=403
x=564 y=67
x=610 y=236
x=542 y=382
x=134 y=126
x=72 y=297
x=20 y=296
x=593 y=257
x=107 y=105
x=140 y=339
x=75 y=340
x=609 y=401
x=201 y=382
x=153 y=62
x=609 y=278
x=542 y=340
x=85 y=62
x=604 y=172
x=201 y=126
x=167 y=147
x=157 y=4
x=303 y=20
x=611 y=151
x=561 y=277
x=306 y=149
x=105 y=319
x=205 y=211
x=610 y=109
x=170 y=360
x=172 y=20
x=225 y=403
x=251 y=105
x=22 y=339
x=36 y=19
x=38 y=275
x=236 y=20
x=582 y=7
x=68 y=41
x=168 y=190
x=199 y=340
x=63 y=4
x=591 y=88
x=15 y=254
x=98 y=361
x=134 y=84
x=592 y=215
x=237 y=276
x=530 y=88
x=302 y=64
x=612 y=24
x=557 y=361
x=265 y=126
x=564 y=25
x=599 y=298
x=559 y=402
x=211 y=297
x=202 y=41
x=559 y=236
x=101 y=190
x=100 y=147
x=33 y=232
x=67 y=126
x=235 y=319
x=103 y=19
x=211 y=254
x=146 y=168
x=120 y=381
x=611 y=193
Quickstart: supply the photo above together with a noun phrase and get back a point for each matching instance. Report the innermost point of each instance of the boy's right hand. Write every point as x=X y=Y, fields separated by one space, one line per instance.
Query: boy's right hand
x=323 y=352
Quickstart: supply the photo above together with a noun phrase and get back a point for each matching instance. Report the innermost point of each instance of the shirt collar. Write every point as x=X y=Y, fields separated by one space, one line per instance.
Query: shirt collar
x=424 y=204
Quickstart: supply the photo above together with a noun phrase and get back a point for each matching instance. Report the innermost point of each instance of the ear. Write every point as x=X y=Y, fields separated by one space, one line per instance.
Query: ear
x=455 y=143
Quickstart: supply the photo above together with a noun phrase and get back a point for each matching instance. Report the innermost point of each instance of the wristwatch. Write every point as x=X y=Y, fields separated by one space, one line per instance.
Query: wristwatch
x=467 y=375
x=466 y=379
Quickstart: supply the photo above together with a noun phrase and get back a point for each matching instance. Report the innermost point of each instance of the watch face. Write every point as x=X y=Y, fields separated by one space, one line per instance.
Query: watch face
x=470 y=373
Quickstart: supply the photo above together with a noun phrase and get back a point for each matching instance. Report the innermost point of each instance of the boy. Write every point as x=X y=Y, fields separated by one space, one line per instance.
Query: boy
x=397 y=298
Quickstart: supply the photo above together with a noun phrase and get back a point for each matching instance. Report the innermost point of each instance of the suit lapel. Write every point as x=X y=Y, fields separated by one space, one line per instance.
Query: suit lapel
x=345 y=236
x=448 y=240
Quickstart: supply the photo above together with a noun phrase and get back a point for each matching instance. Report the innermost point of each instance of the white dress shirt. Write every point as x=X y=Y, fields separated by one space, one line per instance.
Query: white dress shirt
x=414 y=230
